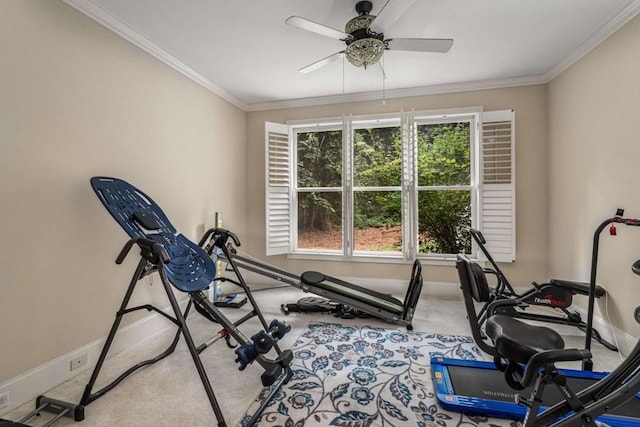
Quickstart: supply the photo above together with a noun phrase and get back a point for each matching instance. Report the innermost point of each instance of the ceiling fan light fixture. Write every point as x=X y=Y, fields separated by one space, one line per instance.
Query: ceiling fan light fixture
x=365 y=46
x=364 y=52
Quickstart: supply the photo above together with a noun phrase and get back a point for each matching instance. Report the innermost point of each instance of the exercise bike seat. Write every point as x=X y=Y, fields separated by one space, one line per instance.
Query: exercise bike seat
x=518 y=341
x=581 y=288
x=318 y=282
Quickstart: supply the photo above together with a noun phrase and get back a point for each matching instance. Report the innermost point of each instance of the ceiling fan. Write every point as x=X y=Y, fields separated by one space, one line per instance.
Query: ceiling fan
x=364 y=45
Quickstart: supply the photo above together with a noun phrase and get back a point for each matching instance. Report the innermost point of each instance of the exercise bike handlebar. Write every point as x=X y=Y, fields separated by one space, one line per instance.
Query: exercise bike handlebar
x=551 y=357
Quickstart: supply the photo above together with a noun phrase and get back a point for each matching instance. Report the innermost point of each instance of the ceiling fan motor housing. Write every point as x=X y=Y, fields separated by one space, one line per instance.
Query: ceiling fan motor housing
x=364 y=47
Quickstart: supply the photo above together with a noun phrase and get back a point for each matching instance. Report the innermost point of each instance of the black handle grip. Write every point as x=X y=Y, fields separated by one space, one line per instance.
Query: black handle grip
x=220 y=237
x=477 y=235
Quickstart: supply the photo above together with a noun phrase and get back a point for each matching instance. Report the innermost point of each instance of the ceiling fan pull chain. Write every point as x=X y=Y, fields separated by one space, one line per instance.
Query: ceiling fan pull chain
x=343 y=73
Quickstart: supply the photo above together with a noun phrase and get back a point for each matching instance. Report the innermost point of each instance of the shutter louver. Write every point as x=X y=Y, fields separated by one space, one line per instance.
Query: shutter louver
x=498 y=184
x=278 y=188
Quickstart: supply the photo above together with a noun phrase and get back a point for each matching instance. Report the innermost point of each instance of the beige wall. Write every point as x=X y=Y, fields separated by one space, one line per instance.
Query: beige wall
x=594 y=168
x=76 y=100
x=531 y=171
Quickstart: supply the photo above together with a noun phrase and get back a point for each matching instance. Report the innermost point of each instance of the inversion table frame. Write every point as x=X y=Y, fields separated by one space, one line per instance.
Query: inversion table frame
x=373 y=303
x=189 y=268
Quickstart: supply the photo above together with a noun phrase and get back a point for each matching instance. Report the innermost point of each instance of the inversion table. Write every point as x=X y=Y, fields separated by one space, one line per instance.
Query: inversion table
x=190 y=269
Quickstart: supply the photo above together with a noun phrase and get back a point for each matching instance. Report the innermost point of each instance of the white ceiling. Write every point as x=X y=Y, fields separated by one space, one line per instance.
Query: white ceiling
x=243 y=51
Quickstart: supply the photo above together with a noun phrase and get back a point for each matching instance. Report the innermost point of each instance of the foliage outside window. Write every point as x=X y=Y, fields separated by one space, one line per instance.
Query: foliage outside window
x=381 y=191
x=319 y=195
x=444 y=191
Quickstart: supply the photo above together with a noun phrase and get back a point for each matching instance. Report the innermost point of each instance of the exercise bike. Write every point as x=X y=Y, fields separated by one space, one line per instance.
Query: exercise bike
x=525 y=356
x=557 y=295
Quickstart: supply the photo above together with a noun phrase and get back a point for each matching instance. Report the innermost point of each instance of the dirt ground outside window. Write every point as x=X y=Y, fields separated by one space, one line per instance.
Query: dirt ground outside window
x=366 y=239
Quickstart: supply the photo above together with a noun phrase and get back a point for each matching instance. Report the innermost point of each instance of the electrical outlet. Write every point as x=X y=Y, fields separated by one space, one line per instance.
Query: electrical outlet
x=78 y=361
x=4 y=400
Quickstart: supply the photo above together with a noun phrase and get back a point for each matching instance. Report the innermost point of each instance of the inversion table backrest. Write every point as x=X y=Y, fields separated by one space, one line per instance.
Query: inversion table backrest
x=190 y=268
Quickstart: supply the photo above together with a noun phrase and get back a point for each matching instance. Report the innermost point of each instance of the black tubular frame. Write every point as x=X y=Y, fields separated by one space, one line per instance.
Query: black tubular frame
x=617 y=388
x=409 y=303
x=617 y=219
x=610 y=392
x=150 y=262
x=504 y=289
x=189 y=268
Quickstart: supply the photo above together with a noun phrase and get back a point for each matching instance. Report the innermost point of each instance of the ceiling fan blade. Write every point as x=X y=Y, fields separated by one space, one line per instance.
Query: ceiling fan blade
x=390 y=12
x=421 y=45
x=305 y=24
x=324 y=61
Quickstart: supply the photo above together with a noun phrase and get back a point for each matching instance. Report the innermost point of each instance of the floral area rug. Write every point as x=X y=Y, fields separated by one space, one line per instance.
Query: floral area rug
x=350 y=376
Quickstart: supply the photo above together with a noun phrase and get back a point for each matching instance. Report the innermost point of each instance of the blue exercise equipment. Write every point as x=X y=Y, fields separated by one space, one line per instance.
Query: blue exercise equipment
x=189 y=268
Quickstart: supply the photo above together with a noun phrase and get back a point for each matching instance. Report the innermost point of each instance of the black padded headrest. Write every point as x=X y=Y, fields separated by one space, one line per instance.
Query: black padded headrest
x=478 y=282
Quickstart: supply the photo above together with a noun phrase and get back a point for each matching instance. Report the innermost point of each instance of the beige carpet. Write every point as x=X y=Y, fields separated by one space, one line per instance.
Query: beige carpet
x=170 y=393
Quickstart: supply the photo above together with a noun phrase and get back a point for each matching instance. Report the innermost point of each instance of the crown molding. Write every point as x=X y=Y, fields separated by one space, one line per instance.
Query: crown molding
x=398 y=93
x=100 y=15
x=113 y=23
x=613 y=25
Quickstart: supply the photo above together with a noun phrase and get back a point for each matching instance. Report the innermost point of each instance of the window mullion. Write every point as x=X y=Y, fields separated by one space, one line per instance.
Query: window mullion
x=347 y=180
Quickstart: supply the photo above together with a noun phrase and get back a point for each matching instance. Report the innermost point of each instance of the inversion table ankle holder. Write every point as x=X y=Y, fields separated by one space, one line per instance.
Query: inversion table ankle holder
x=190 y=269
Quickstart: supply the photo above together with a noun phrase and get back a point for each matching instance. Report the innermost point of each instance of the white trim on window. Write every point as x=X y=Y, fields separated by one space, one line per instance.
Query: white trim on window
x=492 y=183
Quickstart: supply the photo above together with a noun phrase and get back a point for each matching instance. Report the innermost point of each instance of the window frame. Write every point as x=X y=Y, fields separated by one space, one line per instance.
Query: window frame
x=409 y=188
x=473 y=118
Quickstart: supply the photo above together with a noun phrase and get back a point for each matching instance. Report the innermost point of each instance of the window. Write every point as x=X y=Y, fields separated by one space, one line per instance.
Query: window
x=318 y=189
x=391 y=186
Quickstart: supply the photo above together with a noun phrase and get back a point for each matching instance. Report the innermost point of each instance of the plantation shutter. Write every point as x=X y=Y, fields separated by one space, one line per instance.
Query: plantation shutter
x=278 y=188
x=498 y=208
x=409 y=196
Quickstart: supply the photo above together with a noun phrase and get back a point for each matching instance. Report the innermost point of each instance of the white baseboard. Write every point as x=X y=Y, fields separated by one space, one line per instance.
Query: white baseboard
x=610 y=333
x=41 y=379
